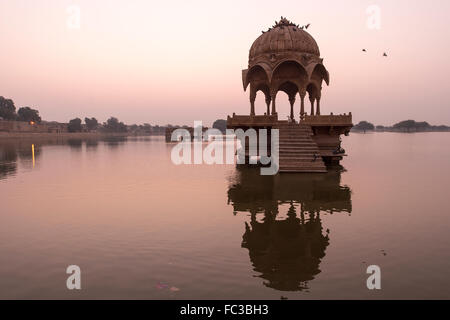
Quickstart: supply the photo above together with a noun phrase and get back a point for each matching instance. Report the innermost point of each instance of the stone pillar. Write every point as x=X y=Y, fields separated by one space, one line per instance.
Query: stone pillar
x=252 y=102
x=311 y=99
x=302 y=104
x=292 y=101
x=274 y=108
x=318 y=106
x=268 y=104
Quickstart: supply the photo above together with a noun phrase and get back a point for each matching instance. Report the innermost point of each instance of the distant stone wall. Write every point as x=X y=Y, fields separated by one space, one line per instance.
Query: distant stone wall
x=26 y=127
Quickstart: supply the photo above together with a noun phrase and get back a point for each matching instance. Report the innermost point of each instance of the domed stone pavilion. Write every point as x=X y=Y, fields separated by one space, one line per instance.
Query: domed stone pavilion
x=287 y=58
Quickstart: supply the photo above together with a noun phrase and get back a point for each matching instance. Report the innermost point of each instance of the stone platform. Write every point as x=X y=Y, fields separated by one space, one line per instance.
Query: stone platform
x=303 y=147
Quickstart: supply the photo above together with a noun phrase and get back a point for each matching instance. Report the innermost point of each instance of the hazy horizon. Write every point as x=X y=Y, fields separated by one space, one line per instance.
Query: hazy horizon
x=176 y=62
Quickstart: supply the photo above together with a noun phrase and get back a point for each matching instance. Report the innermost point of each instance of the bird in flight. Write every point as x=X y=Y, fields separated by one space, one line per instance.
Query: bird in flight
x=385 y=54
x=364 y=50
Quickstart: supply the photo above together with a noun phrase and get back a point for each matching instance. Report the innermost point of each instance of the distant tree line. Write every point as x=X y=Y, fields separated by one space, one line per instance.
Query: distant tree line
x=113 y=125
x=91 y=124
x=8 y=112
x=402 y=126
x=27 y=114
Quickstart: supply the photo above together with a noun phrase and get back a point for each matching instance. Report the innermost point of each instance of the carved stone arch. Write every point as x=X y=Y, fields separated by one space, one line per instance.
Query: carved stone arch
x=259 y=73
x=290 y=59
x=255 y=87
x=265 y=89
x=289 y=69
x=289 y=87
x=319 y=73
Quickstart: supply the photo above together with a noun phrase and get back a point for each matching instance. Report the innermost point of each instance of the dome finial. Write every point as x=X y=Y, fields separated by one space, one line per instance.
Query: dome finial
x=284 y=22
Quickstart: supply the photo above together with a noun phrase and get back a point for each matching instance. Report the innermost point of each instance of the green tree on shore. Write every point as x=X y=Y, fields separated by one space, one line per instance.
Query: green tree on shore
x=74 y=125
x=364 y=126
x=113 y=125
x=91 y=124
x=27 y=114
x=7 y=109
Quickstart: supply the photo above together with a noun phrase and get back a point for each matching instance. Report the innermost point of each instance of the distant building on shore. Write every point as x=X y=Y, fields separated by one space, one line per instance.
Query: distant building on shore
x=30 y=127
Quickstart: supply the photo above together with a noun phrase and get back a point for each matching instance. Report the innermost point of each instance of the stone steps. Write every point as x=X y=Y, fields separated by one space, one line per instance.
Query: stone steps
x=303 y=164
x=294 y=156
x=295 y=139
x=310 y=170
x=297 y=150
x=293 y=144
x=309 y=153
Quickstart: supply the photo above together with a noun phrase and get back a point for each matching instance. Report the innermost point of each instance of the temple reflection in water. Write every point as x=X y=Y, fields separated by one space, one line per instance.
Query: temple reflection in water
x=284 y=236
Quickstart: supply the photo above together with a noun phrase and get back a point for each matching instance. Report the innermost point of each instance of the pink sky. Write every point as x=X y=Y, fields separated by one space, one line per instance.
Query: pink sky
x=178 y=61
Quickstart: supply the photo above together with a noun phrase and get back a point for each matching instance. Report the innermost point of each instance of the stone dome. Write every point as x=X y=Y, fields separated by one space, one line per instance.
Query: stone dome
x=285 y=58
x=283 y=37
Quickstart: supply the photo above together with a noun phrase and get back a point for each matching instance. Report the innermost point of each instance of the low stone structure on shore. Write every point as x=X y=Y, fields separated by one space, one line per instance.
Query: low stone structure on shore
x=32 y=127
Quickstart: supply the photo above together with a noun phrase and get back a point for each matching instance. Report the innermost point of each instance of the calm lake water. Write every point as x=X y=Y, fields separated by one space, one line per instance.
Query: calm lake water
x=140 y=227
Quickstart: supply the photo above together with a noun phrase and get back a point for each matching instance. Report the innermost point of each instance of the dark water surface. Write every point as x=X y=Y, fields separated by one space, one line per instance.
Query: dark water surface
x=140 y=227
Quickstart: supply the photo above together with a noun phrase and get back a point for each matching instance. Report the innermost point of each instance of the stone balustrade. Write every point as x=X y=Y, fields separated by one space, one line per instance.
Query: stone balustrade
x=327 y=120
x=252 y=120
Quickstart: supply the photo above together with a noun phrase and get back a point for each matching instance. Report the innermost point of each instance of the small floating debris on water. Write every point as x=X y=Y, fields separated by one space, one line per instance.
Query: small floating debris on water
x=161 y=285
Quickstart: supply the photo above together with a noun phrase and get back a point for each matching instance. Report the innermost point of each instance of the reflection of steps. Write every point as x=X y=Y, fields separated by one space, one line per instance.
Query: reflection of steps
x=298 y=151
